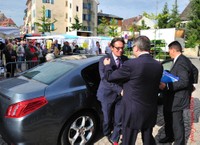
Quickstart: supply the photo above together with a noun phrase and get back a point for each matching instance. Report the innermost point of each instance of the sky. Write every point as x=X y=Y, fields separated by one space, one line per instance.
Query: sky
x=122 y=8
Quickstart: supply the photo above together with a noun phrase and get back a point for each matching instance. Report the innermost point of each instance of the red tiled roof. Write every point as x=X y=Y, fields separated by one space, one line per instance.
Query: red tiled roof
x=7 y=22
x=129 y=22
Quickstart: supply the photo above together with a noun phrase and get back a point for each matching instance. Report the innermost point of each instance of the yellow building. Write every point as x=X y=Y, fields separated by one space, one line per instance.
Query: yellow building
x=64 y=11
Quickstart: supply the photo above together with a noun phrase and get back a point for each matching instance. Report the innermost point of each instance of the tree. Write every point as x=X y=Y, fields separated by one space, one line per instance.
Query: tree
x=193 y=26
x=143 y=26
x=77 y=25
x=163 y=17
x=174 y=19
x=108 y=28
x=46 y=23
x=102 y=27
x=112 y=28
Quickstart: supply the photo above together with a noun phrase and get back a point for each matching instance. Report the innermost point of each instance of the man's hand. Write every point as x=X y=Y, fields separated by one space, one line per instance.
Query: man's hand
x=106 y=61
x=162 y=86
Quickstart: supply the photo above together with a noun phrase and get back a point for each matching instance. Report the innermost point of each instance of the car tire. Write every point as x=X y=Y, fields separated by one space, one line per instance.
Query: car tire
x=80 y=129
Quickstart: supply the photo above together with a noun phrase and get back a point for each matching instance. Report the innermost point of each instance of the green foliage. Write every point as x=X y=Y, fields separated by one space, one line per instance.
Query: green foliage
x=156 y=50
x=45 y=25
x=163 y=18
x=77 y=25
x=143 y=27
x=108 y=28
x=162 y=55
x=193 y=26
x=174 y=19
x=113 y=26
x=101 y=29
x=128 y=52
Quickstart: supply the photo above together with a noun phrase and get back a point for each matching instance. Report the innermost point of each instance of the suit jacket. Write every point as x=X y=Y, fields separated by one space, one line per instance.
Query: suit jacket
x=141 y=78
x=178 y=95
x=108 y=91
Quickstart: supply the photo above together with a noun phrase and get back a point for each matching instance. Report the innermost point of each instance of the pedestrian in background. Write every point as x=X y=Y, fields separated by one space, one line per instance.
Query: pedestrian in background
x=11 y=58
x=109 y=94
x=20 y=55
x=177 y=95
x=141 y=78
x=31 y=54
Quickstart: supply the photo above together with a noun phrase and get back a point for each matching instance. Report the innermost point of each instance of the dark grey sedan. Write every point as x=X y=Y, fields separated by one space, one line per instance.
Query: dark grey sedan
x=53 y=103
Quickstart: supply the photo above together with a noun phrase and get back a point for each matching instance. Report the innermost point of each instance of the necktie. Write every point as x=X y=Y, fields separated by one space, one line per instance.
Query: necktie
x=118 y=62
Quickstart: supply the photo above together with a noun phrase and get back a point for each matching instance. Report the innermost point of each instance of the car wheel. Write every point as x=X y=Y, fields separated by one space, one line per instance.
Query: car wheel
x=80 y=130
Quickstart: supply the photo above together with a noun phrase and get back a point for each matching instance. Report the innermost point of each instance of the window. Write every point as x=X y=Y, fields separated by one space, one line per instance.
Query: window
x=87 y=17
x=33 y=27
x=89 y=28
x=66 y=16
x=66 y=3
x=77 y=8
x=48 y=13
x=48 y=72
x=87 y=6
x=84 y=6
x=70 y=19
x=70 y=5
x=33 y=13
x=48 y=1
x=91 y=76
x=52 y=27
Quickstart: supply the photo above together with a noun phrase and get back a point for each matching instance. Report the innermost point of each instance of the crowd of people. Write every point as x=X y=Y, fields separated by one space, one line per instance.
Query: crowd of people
x=14 y=52
x=129 y=89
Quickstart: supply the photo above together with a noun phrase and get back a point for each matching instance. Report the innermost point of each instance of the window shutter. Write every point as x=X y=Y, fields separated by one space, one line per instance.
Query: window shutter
x=46 y=13
x=49 y=13
x=52 y=27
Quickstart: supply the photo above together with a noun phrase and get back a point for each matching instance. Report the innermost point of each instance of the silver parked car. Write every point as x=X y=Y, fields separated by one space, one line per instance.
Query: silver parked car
x=53 y=103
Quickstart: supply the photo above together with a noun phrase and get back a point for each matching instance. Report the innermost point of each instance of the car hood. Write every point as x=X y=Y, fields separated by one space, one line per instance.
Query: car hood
x=21 y=88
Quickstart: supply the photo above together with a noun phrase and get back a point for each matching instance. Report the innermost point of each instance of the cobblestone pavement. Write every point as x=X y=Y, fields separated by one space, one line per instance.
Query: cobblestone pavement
x=191 y=119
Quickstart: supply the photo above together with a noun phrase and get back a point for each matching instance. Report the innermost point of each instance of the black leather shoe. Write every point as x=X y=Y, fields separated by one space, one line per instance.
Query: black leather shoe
x=166 y=140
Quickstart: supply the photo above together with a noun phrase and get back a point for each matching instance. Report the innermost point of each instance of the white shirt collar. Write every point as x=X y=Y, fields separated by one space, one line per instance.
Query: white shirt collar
x=176 y=58
x=145 y=52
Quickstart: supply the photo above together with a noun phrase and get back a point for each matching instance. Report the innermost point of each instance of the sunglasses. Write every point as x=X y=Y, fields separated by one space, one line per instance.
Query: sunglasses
x=118 y=48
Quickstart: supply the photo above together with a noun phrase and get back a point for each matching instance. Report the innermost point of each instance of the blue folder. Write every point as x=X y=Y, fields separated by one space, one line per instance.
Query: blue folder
x=168 y=77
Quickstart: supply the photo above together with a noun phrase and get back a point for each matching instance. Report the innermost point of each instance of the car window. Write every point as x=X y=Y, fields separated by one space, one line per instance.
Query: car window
x=91 y=76
x=48 y=72
x=167 y=64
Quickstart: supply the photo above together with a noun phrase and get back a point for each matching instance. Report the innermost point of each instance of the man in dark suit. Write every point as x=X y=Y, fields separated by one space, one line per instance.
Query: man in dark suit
x=109 y=93
x=177 y=95
x=141 y=78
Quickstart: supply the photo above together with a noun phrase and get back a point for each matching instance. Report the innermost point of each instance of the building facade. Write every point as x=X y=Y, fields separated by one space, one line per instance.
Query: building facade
x=64 y=11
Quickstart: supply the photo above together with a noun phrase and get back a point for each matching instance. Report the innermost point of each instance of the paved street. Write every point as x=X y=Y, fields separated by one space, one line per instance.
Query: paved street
x=191 y=117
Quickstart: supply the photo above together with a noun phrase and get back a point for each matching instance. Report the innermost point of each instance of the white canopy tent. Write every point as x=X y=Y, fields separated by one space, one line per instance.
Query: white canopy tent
x=9 y=32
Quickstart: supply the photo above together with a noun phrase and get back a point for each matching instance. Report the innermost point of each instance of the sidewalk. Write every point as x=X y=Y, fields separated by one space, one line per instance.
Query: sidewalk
x=192 y=129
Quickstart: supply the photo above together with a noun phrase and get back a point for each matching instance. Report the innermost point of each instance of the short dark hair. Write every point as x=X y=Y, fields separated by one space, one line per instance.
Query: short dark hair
x=117 y=39
x=143 y=43
x=175 y=45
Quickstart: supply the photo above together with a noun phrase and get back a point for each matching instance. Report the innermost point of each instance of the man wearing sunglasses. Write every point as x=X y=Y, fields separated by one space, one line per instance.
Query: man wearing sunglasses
x=109 y=94
x=141 y=78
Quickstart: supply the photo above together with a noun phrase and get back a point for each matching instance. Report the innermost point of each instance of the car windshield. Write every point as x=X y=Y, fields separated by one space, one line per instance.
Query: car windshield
x=48 y=72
